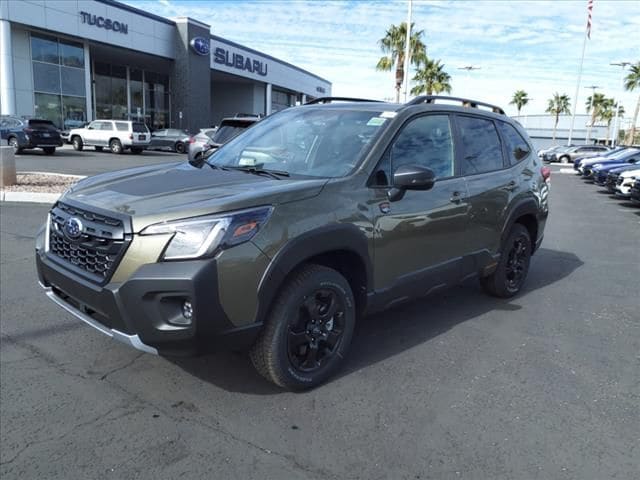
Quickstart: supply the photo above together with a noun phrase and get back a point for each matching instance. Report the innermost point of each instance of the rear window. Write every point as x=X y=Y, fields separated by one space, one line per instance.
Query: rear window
x=481 y=147
x=230 y=129
x=45 y=124
x=517 y=147
x=139 y=127
x=122 y=126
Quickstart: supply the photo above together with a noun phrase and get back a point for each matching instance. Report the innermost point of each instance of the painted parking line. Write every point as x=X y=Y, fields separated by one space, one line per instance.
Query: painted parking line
x=566 y=170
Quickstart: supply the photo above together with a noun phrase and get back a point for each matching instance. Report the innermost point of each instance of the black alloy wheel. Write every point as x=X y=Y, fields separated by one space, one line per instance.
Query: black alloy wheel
x=179 y=147
x=315 y=335
x=510 y=273
x=517 y=262
x=307 y=333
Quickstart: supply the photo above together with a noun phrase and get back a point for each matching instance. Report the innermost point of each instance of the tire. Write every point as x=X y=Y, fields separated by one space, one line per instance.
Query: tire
x=13 y=142
x=99 y=149
x=77 y=143
x=564 y=159
x=116 y=146
x=179 y=147
x=136 y=150
x=300 y=345
x=49 y=150
x=504 y=282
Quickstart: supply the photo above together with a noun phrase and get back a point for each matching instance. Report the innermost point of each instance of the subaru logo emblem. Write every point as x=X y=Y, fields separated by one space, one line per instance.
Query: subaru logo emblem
x=200 y=45
x=73 y=228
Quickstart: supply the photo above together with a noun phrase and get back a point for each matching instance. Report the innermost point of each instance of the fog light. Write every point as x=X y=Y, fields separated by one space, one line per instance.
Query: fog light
x=187 y=311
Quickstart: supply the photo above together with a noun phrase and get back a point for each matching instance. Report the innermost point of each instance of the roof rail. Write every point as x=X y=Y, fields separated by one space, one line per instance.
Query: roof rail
x=338 y=99
x=464 y=101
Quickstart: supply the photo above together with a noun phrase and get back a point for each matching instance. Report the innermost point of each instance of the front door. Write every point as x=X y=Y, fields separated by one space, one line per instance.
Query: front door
x=419 y=240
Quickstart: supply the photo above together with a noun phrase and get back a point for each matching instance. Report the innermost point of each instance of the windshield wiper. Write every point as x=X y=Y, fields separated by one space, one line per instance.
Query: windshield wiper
x=258 y=170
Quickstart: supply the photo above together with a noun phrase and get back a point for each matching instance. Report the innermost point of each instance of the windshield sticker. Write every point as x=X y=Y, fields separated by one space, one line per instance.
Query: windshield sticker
x=388 y=114
x=376 y=122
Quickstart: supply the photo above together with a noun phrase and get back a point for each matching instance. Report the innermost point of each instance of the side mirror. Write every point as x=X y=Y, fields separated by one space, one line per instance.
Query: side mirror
x=411 y=177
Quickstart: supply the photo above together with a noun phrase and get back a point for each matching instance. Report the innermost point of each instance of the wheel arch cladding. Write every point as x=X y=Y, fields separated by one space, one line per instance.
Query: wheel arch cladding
x=526 y=214
x=342 y=247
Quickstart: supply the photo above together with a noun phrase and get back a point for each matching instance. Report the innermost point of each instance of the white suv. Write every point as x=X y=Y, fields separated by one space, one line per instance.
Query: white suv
x=116 y=135
x=626 y=181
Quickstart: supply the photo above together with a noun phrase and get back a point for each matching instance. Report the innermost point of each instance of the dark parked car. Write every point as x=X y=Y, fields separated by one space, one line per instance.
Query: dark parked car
x=228 y=129
x=293 y=230
x=614 y=153
x=23 y=134
x=629 y=156
x=170 y=139
x=635 y=192
x=601 y=174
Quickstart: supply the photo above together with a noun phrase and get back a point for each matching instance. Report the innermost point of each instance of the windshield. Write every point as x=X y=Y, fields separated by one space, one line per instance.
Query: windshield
x=314 y=142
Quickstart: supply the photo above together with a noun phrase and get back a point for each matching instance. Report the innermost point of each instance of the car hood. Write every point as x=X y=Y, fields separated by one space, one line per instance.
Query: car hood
x=166 y=192
x=612 y=165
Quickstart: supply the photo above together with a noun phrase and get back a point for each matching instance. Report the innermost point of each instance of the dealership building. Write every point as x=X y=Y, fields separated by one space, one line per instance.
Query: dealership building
x=73 y=61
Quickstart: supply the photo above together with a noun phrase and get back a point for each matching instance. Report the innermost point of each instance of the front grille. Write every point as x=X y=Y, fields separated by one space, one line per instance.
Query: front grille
x=98 y=248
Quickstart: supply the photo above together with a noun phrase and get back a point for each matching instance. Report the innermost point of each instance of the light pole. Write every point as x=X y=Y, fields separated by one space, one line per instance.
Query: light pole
x=593 y=93
x=617 y=111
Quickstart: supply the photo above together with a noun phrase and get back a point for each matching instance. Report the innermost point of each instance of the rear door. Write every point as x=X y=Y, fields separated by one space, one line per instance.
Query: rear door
x=420 y=239
x=490 y=182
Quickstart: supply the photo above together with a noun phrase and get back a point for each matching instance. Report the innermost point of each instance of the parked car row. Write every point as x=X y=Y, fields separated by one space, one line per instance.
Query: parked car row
x=617 y=171
x=118 y=136
x=569 y=153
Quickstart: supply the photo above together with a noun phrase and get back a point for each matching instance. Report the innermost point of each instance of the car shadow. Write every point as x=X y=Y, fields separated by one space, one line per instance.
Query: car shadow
x=389 y=333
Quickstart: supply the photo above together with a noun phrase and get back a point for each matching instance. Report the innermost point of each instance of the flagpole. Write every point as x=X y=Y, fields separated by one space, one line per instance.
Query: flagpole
x=575 y=101
x=407 y=52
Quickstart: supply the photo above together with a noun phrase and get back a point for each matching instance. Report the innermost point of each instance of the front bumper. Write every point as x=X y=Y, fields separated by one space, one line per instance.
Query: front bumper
x=144 y=311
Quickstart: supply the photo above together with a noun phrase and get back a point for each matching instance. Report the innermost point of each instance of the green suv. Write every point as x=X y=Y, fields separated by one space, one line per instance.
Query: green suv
x=312 y=218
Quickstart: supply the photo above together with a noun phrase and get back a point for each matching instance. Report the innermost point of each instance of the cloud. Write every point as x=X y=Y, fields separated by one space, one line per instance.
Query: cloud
x=530 y=45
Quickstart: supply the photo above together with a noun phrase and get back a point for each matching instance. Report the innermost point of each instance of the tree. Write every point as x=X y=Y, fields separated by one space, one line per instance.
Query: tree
x=596 y=107
x=607 y=113
x=393 y=45
x=631 y=82
x=558 y=105
x=520 y=99
x=431 y=77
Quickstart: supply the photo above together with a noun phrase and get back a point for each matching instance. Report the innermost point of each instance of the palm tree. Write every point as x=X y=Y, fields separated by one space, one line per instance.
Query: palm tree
x=595 y=107
x=558 y=105
x=520 y=99
x=631 y=82
x=431 y=78
x=393 y=45
x=608 y=113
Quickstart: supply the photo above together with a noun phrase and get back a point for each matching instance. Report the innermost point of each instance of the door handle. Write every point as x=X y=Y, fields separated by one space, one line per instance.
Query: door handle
x=456 y=197
x=511 y=186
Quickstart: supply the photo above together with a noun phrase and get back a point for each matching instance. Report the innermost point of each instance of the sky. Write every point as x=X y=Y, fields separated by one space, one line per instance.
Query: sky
x=530 y=45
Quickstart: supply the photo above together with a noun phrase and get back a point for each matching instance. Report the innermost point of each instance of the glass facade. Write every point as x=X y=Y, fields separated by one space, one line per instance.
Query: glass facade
x=281 y=100
x=58 y=81
x=146 y=98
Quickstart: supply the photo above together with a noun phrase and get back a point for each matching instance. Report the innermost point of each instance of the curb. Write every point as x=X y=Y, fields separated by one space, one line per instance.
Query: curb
x=65 y=175
x=29 y=197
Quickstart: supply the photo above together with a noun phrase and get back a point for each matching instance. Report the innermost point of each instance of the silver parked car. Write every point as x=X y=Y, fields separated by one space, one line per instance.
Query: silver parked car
x=228 y=129
x=170 y=139
x=580 y=151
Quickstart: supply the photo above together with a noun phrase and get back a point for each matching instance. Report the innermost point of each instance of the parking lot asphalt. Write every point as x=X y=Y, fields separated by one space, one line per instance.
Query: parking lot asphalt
x=458 y=385
x=88 y=162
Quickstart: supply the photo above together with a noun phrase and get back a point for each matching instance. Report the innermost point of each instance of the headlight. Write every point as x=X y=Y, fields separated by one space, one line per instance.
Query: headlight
x=202 y=236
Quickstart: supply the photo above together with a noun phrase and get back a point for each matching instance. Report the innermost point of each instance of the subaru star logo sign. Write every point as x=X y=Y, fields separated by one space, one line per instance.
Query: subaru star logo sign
x=73 y=228
x=200 y=45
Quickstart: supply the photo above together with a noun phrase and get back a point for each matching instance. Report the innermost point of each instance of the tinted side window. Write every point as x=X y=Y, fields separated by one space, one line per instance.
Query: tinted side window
x=517 y=147
x=106 y=126
x=481 y=148
x=425 y=141
x=122 y=126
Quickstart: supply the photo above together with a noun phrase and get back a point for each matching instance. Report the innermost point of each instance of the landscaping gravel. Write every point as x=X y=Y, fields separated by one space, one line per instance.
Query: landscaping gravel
x=41 y=183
